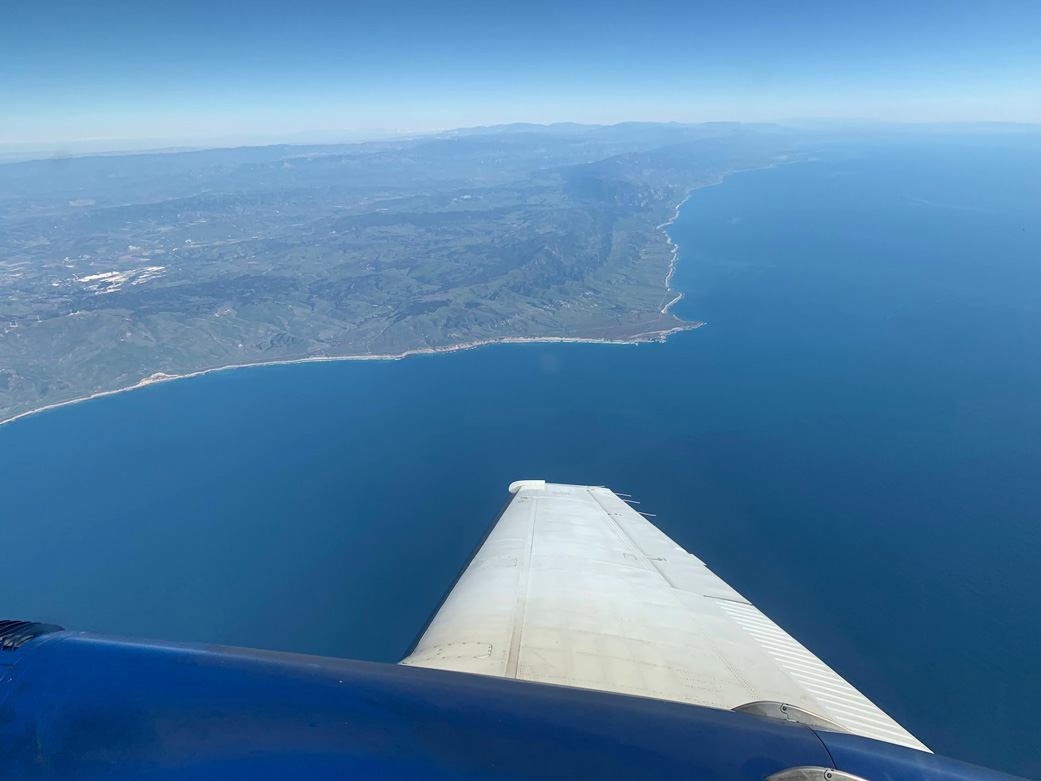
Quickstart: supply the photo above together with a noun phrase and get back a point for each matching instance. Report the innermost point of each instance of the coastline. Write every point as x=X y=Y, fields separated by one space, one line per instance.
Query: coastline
x=158 y=377
x=658 y=336
x=675 y=247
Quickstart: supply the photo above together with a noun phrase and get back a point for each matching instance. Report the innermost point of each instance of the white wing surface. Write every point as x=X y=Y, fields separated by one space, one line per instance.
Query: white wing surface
x=574 y=587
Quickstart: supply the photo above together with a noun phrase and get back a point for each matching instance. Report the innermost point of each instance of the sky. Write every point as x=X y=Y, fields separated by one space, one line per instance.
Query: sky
x=268 y=70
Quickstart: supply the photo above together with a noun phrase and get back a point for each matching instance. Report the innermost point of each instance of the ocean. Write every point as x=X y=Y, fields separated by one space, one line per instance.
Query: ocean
x=853 y=441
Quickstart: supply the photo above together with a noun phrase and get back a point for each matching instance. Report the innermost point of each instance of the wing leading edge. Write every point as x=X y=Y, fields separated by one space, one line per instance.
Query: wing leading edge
x=573 y=587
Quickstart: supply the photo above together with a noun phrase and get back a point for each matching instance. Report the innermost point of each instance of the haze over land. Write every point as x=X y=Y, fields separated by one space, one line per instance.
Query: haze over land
x=119 y=268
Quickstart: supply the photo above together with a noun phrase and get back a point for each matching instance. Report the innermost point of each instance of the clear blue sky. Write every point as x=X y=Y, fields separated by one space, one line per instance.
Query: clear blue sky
x=250 y=68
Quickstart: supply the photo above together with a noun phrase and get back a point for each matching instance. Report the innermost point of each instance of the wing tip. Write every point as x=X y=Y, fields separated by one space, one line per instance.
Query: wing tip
x=516 y=485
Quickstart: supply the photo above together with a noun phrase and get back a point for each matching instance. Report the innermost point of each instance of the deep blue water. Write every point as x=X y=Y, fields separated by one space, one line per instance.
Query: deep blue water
x=853 y=441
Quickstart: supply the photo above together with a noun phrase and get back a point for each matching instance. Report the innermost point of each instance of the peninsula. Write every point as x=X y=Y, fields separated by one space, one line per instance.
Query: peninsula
x=120 y=271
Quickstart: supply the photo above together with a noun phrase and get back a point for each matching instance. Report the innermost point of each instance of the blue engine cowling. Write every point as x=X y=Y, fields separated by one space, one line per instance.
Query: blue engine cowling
x=78 y=706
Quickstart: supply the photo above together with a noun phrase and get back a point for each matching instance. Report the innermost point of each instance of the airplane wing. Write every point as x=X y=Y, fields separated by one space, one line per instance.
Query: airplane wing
x=573 y=587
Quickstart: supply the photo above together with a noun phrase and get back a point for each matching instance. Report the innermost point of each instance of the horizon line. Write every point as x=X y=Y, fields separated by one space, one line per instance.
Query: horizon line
x=30 y=151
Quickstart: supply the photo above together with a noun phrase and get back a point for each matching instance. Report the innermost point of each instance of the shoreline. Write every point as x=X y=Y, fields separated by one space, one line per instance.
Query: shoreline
x=676 y=214
x=160 y=377
x=659 y=336
x=675 y=247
